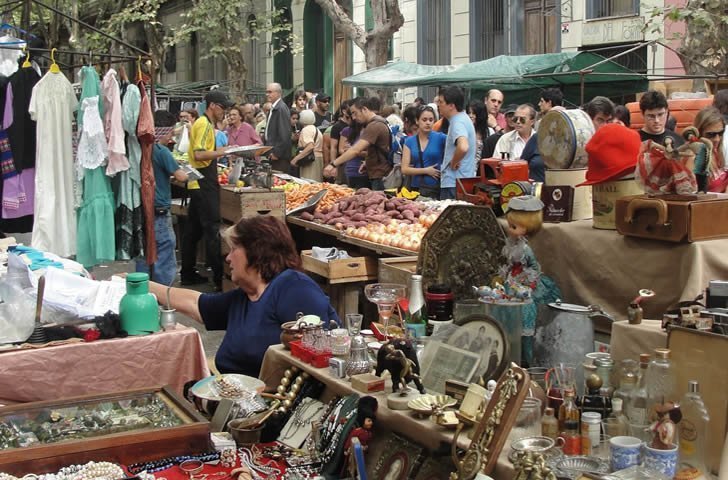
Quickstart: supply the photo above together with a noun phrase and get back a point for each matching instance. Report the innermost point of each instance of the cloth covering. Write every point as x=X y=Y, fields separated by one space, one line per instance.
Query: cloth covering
x=112 y=124
x=129 y=231
x=52 y=105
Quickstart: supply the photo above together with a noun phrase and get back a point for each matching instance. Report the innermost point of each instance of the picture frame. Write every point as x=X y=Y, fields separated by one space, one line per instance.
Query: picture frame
x=435 y=469
x=441 y=362
x=399 y=460
x=482 y=334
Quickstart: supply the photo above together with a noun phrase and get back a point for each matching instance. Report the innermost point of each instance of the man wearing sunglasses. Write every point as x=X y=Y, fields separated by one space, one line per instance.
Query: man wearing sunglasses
x=512 y=143
x=653 y=105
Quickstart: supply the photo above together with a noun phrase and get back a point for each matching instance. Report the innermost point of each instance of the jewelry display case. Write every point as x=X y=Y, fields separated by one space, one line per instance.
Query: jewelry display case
x=125 y=427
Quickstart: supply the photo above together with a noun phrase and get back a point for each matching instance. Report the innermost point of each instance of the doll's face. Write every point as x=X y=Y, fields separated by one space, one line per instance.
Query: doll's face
x=515 y=230
x=368 y=423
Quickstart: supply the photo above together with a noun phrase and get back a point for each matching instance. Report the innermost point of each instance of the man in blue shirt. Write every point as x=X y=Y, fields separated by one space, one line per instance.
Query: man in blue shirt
x=459 y=159
x=165 y=268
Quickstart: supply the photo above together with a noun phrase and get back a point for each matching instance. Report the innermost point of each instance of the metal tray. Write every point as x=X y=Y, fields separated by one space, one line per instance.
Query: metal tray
x=310 y=204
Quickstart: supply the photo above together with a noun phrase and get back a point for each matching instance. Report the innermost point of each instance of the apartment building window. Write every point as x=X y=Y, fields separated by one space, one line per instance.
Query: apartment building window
x=487 y=29
x=433 y=37
x=611 y=8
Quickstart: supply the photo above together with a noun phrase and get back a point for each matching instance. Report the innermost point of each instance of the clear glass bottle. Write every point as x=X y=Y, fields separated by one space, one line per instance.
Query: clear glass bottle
x=568 y=411
x=616 y=424
x=692 y=430
x=660 y=383
x=549 y=424
x=604 y=370
x=628 y=376
x=636 y=408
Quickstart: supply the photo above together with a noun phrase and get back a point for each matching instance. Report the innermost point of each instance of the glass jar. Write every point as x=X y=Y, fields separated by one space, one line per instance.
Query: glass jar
x=358 y=361
x=590 y=424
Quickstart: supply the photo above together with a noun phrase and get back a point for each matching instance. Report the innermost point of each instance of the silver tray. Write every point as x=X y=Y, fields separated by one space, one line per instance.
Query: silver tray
x=310 y=204
x=573 y=466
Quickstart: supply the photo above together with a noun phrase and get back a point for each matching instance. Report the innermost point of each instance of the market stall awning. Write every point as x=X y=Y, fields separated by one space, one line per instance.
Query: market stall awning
x=522 y=75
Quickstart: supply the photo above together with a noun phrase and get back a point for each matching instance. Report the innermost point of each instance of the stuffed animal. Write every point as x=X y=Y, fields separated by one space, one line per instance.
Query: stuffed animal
x=399 y=357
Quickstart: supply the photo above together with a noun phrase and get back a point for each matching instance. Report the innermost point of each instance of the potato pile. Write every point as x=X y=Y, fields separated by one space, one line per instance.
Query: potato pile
x=372 y=216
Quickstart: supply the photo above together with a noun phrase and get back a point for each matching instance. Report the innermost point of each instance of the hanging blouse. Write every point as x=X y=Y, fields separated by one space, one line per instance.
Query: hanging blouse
x=129 y=225
x=52 y=105
x=112 y=124
x=145 y=133
x=92 y=147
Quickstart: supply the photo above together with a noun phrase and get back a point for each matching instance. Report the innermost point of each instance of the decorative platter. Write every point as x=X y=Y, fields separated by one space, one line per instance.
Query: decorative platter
x=463 y=248
x=426 y=405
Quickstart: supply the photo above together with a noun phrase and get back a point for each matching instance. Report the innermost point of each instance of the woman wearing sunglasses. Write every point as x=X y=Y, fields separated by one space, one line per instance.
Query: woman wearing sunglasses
x=422 y=155
x=711 y=126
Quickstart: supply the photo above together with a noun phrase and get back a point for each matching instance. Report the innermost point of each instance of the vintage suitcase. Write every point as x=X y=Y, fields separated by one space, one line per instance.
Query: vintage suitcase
x=673 y=218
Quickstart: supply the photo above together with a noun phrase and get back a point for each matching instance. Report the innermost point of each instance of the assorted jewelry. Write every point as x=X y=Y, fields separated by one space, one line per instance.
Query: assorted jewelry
x=298 y=428
x=227 y=388
x=258 y=470
x=165 y=463
x=290 y=387
x=89 y=471
x=228 y=457
x=340 y=414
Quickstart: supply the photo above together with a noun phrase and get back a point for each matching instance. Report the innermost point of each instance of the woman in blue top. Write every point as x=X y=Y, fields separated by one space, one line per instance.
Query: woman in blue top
x=265 y=265
x=422 y=155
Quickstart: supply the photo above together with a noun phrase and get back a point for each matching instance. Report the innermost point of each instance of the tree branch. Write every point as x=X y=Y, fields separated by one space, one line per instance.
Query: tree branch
x=344 y=23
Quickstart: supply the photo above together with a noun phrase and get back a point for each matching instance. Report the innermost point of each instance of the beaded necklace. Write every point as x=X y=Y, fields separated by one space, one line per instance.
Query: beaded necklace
x=302 y=417
x=259 y=471
x=165 y=463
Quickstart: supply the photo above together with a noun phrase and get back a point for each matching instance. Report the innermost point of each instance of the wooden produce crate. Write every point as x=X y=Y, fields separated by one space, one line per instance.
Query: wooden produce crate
x=248 y=203
x=397 y=269
x=346 y=270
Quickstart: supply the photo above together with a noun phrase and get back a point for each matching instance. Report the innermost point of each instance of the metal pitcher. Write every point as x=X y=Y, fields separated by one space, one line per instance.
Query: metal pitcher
x=564 y=333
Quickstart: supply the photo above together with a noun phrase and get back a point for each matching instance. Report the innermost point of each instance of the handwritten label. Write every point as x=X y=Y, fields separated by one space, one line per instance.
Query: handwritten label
x=615 y=30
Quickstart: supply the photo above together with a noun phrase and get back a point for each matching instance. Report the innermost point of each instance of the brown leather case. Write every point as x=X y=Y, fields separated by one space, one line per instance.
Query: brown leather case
x=673 y=218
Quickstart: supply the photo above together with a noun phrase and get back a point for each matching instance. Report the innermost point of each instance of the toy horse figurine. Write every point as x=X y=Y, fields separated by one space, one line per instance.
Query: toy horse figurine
x=399 y=357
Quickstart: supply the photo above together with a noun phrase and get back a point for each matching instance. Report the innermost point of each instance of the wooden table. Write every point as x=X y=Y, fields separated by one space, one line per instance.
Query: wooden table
x=422 y=431
x=103 y=366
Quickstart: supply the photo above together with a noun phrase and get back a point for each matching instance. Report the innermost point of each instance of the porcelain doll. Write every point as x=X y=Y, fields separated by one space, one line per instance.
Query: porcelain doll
x=366 y=415
x=521 y=276
x=668 y=414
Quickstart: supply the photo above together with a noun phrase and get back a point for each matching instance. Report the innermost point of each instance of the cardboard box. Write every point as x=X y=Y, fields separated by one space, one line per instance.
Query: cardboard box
x=397 y=269
x=251 y=202
x=345 y=270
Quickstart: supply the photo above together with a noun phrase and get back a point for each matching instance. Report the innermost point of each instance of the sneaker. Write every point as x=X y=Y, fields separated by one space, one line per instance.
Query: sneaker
x=193 y=279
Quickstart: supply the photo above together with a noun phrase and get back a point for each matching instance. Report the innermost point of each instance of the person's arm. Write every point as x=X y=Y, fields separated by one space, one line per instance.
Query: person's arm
x=326 y=148
x=461 y=148
x=180 y=175
x=409 y=170
x=306 y=150
x=181 y=299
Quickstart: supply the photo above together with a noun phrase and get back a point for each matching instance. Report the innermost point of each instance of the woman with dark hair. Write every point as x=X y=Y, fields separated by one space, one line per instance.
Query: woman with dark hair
x=479 y=116
x=240 y=133
x=423 y=153
x=712 y=163
x=265 y=266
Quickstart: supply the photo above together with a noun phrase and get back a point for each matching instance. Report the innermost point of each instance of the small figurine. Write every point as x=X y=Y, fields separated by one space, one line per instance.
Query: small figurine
x=668 y=414
x=522 y=275
x=366 y=415
x=666 y=169
x=399 y=357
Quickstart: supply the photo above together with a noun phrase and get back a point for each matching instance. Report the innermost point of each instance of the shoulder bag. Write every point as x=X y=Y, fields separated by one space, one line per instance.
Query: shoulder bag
x=309 y=159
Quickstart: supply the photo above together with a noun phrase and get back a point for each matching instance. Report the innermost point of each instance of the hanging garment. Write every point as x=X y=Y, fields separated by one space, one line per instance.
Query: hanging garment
x=22 y=128
x=145 y=133
x=90 y=87
x=112 y=124
x=92 y=147
x=96 y=242
x=9 y=56
x=52 y=105
x=129 y=224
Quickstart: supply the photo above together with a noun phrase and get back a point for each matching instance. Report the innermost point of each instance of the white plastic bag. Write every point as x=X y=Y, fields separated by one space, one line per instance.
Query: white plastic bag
x=17 y=313
x=184 y=140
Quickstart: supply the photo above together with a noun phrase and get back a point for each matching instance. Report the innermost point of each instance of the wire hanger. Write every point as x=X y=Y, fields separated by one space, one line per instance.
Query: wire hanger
x=139 y=68
x=26 y=63
x=54 y=66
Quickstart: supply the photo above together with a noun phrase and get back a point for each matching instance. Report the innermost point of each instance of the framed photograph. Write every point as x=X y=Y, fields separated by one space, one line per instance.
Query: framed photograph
x=398 y=461
x=484 y=336
x=442 y=362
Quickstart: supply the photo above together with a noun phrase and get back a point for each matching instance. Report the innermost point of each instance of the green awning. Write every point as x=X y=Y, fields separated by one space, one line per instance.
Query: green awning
x=522 y=76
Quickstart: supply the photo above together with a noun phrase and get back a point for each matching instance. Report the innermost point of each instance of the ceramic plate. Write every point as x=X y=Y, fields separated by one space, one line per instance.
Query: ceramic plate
x=203 y=389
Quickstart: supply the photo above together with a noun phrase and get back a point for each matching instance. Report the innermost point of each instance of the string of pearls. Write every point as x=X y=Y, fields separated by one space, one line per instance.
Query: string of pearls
x=89 y=471
x=260 y=472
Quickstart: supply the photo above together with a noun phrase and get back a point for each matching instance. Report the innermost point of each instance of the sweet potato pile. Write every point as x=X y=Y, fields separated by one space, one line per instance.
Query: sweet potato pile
x=366 y=207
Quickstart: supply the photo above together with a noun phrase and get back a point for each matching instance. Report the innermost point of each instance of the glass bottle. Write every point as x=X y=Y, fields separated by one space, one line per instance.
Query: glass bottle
x=568 y=411
x=549 y=424
x=604 y=370
x=660 y=383
x=628 y=376
x=636 y=408
x=616 y=424
x=692 y=429
x=418 y=314
x=572 y=439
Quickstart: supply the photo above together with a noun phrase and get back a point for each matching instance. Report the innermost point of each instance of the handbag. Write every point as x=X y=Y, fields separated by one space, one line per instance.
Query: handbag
x=311 y=157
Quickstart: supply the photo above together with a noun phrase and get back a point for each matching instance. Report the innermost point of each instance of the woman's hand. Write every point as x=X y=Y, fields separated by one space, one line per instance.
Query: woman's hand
x=432 y=171
x=330 y=170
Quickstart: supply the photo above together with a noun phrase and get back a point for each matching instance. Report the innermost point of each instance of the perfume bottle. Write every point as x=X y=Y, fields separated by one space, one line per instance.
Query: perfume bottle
x=692 y=429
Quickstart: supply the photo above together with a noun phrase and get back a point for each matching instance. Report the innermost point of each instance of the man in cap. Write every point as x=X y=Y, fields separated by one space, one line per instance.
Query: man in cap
x=278 y=129
x=322 y=111
x=203 y=215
